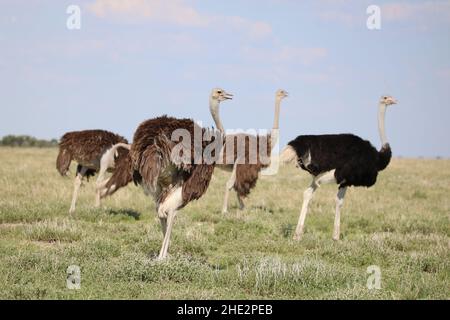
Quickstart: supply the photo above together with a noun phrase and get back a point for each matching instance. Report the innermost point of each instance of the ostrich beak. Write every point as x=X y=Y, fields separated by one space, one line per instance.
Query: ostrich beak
x=228 y=96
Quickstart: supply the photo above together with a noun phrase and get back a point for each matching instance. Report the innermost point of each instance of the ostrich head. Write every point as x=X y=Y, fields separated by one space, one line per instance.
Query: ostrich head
x=216 y=97
x=385 y=102
x=388 y=100
x=281 y=94
x=220 y=95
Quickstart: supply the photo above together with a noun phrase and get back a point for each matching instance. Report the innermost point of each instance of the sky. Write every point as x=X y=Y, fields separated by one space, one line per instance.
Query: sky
x=134 y=60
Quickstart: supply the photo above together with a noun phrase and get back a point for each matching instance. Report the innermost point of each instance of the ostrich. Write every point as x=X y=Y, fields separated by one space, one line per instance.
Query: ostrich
x=172 y=185
x=344 y=159
x=244 y=174
x=95 y=151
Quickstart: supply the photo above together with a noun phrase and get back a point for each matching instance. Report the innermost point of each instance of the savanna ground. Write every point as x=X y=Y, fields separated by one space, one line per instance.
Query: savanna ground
x=400 y=225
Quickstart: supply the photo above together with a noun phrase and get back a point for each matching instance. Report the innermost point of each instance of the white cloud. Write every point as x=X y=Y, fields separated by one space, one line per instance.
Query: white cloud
x=286 y=54
x=254 y=29
x=304 y=55
x=340 y=17
x=428 y=10
x=444 y=73
x=175 y=12
x=424 y=14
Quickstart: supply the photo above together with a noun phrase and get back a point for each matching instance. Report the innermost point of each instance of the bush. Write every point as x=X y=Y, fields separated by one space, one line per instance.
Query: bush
x=27 y=141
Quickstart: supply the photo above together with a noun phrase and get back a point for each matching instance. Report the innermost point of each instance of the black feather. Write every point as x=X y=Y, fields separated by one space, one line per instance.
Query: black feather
x=89 y=172
x=356 y=161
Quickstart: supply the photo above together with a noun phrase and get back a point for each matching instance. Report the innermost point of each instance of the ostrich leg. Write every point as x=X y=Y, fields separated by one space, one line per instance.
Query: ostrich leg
x=241 y=201
x=324 y=178
x=100 y=183
x=163 y=222
x=166 y=241
x=337 y=219
x=228 y=187
x=167 y=212
x=76 y=188
x=307 y=196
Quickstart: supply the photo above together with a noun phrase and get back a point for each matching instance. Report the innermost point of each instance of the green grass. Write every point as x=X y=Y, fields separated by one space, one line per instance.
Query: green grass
x=401 y=225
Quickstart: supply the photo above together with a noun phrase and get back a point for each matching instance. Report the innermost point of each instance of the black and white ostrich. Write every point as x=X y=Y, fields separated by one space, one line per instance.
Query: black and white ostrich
x=344 y=159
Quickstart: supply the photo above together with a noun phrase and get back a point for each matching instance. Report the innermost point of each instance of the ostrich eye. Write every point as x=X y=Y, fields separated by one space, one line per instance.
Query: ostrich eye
x=219 y=92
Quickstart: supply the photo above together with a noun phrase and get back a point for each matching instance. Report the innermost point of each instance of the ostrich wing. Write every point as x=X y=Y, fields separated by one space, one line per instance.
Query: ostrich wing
x=196 y=182
x=153 y=164
x=89 y=144
x=122 y=175
x=175 y=171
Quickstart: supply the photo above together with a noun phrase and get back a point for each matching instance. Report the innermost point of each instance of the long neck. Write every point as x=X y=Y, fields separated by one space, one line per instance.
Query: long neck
x=381 y=128
x=214 y=109
x=275 y=134
x=276 y=119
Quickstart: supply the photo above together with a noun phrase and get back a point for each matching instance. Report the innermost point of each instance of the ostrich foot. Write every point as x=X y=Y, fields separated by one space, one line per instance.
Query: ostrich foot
x=159 y=258
x=162 y=215
x=241 y=203
x=298 y=234
x=297 y=237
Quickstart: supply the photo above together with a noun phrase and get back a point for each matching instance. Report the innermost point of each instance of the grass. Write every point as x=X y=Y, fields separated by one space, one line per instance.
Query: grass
x=401 y=225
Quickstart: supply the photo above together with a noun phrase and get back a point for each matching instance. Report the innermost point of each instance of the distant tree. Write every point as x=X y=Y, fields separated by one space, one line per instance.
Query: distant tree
x=27 y=141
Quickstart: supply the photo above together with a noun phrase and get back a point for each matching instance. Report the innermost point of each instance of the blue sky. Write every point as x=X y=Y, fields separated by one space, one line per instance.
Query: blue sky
x=137 y=59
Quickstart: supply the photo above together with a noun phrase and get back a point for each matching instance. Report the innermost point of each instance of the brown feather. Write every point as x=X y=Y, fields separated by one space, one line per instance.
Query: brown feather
x=197 y=182
x=85 y=146
x=63 y=161
x=88 y=146
x=122 y=174
x=247 y=172
x=156 y=170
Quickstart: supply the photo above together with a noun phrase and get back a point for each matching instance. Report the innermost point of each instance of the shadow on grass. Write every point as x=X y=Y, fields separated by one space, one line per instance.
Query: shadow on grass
x=287 y=230
x=261 y=208
x=125 y=212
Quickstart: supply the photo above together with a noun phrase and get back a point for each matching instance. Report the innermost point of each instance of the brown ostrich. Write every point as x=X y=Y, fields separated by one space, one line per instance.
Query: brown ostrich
x=244 y=173
x=94 y=151
x=156 y=168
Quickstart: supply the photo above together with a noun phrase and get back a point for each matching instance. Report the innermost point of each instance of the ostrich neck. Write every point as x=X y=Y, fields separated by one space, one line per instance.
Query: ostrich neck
x=274 y=135
x=214 y=109
x=276 y=119
x=381 y=127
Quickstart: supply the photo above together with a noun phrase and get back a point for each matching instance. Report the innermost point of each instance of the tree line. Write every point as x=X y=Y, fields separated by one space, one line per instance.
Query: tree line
x=27 y=141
